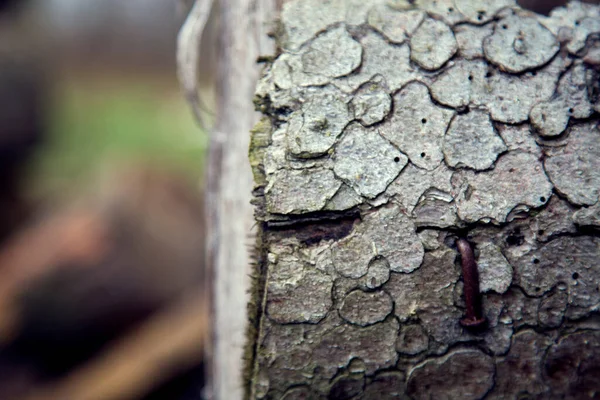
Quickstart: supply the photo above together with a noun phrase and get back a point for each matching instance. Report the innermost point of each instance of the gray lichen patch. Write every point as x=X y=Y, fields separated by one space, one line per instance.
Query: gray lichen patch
x=417 y=126
x=378 y=273
x=394 y=237
x=519 y=137
x=481 y=11
x=588 y=216
x=555 y=219
x=436 y=378
x=495 y=273
x=386 y=232
x=297 y=293
x=436 y=209
x=472 y=142
x=395 y=24
x=313 y=130
x=372 y=103
x=519 y=43
x=366 y=308
x=412 y=340
x=409 y=187
x=550 y=118
x=332 y=54
x=427 y=294
x=351 y=255
x=366 y=161
x=508 y=98
x=575 y=168
x=300 y=191
x=432 y=44
x=380 y=58
x=518 y=179
x=373 y=344
x=470 y=40
x=344 y=199
x=443 y=9
x=563 y=260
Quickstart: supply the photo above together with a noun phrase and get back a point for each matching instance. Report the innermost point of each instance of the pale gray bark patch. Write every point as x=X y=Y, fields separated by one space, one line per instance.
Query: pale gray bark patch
x=519 y=137
x=343 y=199
x=508 y=98
x=575 y=168
x=571 y=101
x=380 y=58
x=297 y=293
x=374 y=345
x=472 y=142
x=588 y=216
x=313 y=130
x=411 y=184
x=417 y=126
x=444 y=9
x=555 y=219
x=517 y=180
x=563 y=261
x=519 y=43
x=378 y=273
x=298 y=191
x=366 y=161
x=385 y=232
x=437 y=378
x=470 y=40
x=495 y=273
x=372 y=103
x=366 y=308
x=332 y=54
x=481 y=11
x=396 y=25
x=432 y=44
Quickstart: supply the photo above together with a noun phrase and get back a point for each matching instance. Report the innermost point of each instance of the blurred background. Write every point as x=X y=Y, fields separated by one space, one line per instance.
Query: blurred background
x=101 y=235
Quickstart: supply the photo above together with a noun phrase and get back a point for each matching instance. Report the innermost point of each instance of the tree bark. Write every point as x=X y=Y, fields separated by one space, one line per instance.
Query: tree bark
x=390 y=130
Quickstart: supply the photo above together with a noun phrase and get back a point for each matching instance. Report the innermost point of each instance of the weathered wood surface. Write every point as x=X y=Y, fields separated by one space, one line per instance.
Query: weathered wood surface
x=243 y=28
x=389 y=130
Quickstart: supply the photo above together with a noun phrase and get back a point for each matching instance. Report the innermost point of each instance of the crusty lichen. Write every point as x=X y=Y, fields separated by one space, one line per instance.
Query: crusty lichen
x=391 y=128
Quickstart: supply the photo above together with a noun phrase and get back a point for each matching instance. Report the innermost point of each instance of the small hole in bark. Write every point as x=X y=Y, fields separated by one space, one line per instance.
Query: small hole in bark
x=575 y=275
x=577 y=23
x=423 y=155
x=424 y=121
x=450 y=9
x=504 y=26
x=488 y=74
x=533 y=73
x=570 y=111
x=470 y=77
x=396 y=159
x=537 y=289
x=536 y=261
x=543 y=199
x=541 y=232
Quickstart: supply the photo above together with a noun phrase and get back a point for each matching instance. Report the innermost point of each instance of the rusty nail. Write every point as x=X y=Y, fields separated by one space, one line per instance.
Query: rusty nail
x=474 y=317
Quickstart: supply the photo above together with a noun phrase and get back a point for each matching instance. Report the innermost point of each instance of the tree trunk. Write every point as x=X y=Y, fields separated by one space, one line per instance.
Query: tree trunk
x=392 y=132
